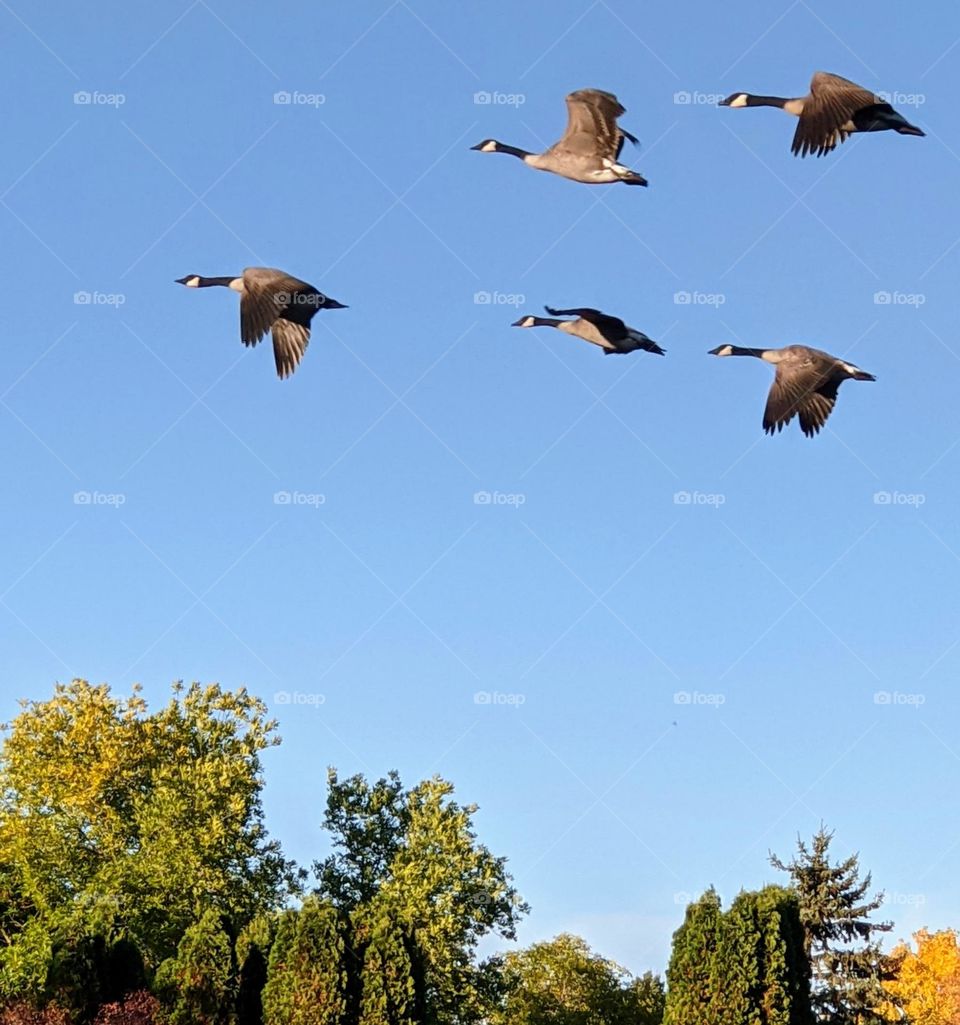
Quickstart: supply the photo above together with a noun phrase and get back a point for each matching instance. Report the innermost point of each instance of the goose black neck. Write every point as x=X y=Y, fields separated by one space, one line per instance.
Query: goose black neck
x=739 y=350
x=766 y=101
x=502 y=147
x=206 y=282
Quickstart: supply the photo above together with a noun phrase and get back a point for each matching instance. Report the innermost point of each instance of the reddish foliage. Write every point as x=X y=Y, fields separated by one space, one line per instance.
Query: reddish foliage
x=139 y=1008
x=26 y=1014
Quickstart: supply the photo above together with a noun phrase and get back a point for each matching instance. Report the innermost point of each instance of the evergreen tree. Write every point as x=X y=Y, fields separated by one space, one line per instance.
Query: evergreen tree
x=307 y=980
x=846 y=961
x=389 y=976
x=691 y=998
x=253 y=949
x=197 y=985
x=646 y=999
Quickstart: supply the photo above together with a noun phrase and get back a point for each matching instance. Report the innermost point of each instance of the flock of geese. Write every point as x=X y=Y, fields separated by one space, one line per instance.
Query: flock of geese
x=806 y=380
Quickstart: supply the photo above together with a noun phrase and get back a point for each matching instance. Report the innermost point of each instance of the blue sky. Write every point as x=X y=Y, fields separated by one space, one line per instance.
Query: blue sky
x=673 y=688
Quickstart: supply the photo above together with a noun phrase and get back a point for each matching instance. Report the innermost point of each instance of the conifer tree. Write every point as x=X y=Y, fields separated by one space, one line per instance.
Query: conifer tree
x=690 y=975
x=839 y=937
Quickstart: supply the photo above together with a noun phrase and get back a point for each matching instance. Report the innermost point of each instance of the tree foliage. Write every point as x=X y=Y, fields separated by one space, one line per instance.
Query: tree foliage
x=746 y=966
x=123 y=822
x=197 y=985
x=412 y=857
x=835 y=909
x=924 y=984
x=563 y=982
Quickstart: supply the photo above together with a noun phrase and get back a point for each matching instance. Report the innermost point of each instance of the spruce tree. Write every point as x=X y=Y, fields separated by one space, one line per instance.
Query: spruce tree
x=839 y=937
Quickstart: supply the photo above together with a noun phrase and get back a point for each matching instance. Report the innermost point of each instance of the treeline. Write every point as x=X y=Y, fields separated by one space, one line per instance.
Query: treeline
x=138 y=887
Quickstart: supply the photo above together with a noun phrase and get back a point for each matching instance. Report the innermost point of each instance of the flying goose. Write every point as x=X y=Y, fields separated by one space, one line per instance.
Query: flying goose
x=806 y=382
x=589 y=151
x=833 y=109
x=610 y=333
x=272 y=300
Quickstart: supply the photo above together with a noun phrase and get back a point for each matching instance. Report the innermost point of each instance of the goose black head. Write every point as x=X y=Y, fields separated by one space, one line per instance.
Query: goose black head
x=735 y=100
x=487 y=146
x=721 y=350
x=191 y=280
x=526 y=321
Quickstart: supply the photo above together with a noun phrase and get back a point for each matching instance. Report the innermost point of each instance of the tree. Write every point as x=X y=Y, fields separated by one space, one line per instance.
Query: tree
x=746 y=966
x=391 y=978
x=690 y=975
x=646 y=1000
x=252 y=952
x=925 y=984
x=307 y=980
x=118 y=821
x=412 y=855
x=562 y=982
x=846 y=961
x=197 y=985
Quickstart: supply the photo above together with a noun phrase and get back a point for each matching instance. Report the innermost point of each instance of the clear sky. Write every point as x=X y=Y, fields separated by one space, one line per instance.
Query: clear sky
x=583 y=600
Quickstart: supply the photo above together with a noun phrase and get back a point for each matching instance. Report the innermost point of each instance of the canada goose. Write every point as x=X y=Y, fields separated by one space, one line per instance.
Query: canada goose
x=806 y=382
x=590 y=148
x=610 y=333
x=272 y=300
x=833 y=109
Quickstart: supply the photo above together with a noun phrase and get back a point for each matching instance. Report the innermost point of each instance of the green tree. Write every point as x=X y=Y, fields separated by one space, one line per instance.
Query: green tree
x=646 y=1000
x=413 y=856
x=253 y=951
x=563 y=982
x=691 y=983
x=129 y=823
x=307 y=975
x=746 y=966
x=391 y=979
x=839 y=936
x=197 y=985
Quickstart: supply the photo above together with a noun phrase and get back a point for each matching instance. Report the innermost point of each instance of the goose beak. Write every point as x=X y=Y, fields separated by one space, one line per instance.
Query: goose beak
x=518 y=323
x=716 y=351
x=332 y=304
x=181 y=281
